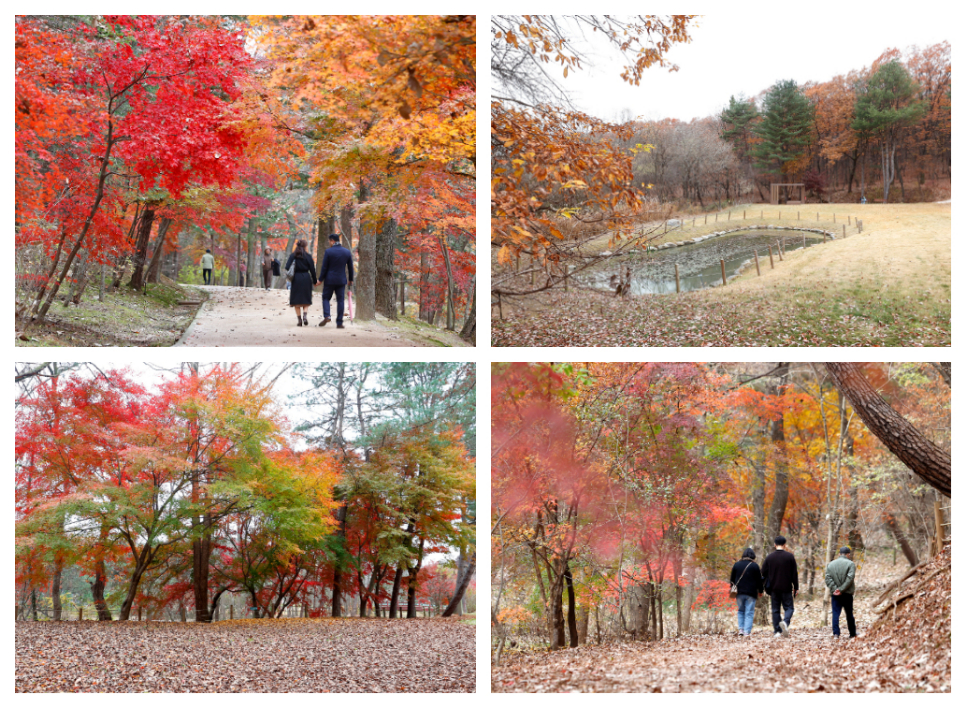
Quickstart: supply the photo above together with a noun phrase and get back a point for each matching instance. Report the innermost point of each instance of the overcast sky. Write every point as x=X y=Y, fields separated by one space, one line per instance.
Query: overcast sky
x=736 y=53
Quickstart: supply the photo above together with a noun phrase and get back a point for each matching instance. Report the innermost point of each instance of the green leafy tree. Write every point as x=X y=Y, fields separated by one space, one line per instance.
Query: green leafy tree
x=885 y=109
x=785 y=127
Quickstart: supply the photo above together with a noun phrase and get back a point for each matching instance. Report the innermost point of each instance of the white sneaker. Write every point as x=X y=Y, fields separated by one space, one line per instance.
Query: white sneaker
x=777 y=635
x=784 y=628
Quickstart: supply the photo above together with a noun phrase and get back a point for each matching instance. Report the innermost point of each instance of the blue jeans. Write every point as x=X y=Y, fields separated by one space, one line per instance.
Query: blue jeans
x=746 y=612
x=339 y=291
x=779 y=600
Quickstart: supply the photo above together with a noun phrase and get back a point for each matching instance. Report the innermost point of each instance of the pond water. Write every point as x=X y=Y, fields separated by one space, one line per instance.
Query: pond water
x=698 y=264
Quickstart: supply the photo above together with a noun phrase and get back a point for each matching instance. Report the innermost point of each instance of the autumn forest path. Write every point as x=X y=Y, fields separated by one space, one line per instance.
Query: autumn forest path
x=254 y=317
x=809 y=660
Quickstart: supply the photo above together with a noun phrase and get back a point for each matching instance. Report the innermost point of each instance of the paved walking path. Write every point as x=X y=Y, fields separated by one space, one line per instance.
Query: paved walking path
x=251 y=317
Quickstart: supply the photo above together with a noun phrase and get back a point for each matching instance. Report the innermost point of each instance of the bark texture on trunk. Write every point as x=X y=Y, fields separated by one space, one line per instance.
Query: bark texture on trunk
x=141 y=249
x=926 y=459
x=385 y=270
x=780 y=499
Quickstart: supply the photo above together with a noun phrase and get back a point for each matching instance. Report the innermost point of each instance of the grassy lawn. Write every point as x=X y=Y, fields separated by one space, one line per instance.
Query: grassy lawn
x=888 y=286
x=125 y=318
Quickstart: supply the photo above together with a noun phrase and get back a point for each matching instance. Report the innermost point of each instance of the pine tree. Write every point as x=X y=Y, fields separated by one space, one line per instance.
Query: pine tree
x=785 y=126
x=886 y=107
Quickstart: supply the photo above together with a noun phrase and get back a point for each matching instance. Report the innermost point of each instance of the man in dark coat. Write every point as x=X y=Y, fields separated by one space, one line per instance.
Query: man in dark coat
x=336 y=260
x=780 y=572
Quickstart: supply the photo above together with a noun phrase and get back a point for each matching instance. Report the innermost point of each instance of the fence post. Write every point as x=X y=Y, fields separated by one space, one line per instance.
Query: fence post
x=677 y=280
x=706 y=219
x=825 y=235
x=757 y=267
x=781 y=250
x=716 y=217
x=231 y=611
x=771 y=258
x=139 y=613
x=80 y=614
x=744 y=214
x=861 y=225
x=724 y=280
x=843 y=230
x=16 y=609
x=803 y=240
x=729 y=216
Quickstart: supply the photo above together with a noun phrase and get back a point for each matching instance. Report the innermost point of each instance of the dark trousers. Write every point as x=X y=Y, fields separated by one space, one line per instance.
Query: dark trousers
x=206 y=274
x=779 y=600
x=339 y=291
x=839 y=603
x=267 y=278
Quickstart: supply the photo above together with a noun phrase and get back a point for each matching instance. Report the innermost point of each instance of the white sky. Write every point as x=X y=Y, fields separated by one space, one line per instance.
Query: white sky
x=747 y=51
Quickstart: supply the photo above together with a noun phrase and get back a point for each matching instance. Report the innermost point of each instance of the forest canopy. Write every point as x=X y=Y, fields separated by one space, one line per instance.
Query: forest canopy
x=211 y=491
x=623 y=492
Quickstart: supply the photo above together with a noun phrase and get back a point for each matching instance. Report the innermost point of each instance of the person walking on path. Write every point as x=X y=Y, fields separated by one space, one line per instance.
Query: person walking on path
x=332 y=273
x=267 y=268
x=300 y=295
x=781 y=582
x=207 y=265
x=840 y=579
x=746 y=577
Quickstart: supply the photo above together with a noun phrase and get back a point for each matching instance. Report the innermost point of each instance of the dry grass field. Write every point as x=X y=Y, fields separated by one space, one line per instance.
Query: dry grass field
x=888 y=286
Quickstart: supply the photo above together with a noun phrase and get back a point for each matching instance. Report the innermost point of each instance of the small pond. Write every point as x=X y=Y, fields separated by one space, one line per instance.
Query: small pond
x=698 y=264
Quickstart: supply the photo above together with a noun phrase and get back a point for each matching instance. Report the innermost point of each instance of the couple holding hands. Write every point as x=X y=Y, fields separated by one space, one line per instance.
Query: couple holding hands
x=336 y=264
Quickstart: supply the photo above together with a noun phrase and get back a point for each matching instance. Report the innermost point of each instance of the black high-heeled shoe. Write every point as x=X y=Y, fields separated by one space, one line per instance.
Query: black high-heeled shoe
x=300 y=320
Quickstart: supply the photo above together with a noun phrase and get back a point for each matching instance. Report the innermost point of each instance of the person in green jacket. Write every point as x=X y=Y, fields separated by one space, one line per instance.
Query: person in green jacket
x=207 y=264
x=840 y=579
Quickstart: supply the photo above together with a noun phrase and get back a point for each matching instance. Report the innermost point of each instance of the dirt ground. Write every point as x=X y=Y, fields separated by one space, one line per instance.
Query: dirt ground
x=278 y=656
x=251 y=317
x=888 y=286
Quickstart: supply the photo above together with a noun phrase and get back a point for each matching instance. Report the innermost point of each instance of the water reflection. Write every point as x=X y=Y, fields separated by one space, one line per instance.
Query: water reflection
x=699 y=265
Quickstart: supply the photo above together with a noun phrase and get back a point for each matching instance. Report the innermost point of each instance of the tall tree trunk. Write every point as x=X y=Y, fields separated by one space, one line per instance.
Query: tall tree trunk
x=154 y=268
x=414 y=580
x=460 y=591
x=365 y=283
x=926 y=459
x=250 y=274
x=450 y=302
x=758 y=507
x=345 y=222
x=468 y=332
x=97 y=592
x=201 y=555
x=141 y=248
x=571 y=607
x=557 y=636
x=385 y=293
x=780 y=500
x=394 y=595
x=55 y=589
x=142 y=561
x=337 y=572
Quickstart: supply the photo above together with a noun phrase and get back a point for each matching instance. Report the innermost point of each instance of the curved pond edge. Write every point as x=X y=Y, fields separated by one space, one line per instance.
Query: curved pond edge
x=754 y=227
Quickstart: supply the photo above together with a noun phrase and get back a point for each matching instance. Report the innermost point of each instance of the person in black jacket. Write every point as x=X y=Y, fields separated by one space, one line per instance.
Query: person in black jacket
x=781 y=583
x=747 y=576
x=300 y=296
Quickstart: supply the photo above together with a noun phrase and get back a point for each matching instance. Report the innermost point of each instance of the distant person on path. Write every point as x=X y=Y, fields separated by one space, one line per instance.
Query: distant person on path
x=267 y=268
x=746 y=575
x=207 y=264
x=840 y=579
x=332 y=273
x=781 y=582
x=300 y=294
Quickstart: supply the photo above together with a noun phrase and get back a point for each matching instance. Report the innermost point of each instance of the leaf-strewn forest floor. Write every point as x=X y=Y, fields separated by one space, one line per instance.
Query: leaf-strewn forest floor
x=888 y=286
x=907 y=649
x=293 y=655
